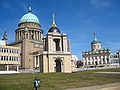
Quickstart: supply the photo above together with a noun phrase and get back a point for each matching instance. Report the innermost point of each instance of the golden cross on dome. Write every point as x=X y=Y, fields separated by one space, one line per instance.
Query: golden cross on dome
x=53 y=21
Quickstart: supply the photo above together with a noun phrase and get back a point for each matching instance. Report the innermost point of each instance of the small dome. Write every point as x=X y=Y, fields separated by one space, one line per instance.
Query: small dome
x=95 y=41
x=54 y=26
x=54 y=29
x=29 y=17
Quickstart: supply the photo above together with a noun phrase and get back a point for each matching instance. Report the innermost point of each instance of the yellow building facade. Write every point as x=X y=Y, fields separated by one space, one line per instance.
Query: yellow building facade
x=9 y=58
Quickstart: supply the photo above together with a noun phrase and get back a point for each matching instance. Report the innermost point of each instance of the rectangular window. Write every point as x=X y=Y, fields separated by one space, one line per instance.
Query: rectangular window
x=1 y=58
x=4 y=58
x=4 y=50
x=7 y=58
x=0 y=49
x=10 y=58
x=7 y=50
x=10 y=50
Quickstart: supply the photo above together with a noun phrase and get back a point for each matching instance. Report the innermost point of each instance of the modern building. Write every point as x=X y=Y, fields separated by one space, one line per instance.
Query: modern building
x=74 y=62
x=49 y=54
x=97 y=56
x=115 y=59
x=9 y=57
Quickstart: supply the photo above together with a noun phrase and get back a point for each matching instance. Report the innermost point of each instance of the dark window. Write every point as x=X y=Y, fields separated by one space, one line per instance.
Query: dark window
x=1 y=57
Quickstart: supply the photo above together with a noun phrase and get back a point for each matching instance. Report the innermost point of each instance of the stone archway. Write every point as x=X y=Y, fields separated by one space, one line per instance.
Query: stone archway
x=58 y=66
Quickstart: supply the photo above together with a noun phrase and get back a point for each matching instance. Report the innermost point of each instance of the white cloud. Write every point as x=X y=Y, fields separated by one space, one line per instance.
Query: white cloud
x=101 y=3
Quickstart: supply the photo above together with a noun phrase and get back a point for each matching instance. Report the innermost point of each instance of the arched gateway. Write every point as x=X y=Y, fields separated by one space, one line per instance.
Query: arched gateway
x=58 y=66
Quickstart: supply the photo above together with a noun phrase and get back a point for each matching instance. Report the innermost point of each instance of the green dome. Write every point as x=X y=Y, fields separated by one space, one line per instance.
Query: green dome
x=95 y=39
x=29 y=17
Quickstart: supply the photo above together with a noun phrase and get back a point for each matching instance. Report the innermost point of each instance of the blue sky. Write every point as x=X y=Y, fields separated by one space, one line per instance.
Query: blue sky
x=77 y=18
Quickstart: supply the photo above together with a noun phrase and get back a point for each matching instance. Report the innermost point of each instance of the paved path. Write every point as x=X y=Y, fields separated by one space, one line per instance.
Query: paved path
x=84 y=69
x=8 y=72
x=110 y=86
x=109 y=72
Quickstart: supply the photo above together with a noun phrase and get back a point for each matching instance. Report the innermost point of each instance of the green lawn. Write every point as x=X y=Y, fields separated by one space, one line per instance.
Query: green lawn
x=57 y=81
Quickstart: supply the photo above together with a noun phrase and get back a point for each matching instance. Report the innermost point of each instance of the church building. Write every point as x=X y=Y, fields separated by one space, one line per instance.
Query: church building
x=51 y=53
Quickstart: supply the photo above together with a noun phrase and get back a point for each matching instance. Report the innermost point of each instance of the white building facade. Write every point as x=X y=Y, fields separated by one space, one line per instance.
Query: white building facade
x=97 y=56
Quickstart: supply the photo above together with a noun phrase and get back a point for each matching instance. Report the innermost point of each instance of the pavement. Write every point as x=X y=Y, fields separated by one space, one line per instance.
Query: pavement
x=8 y=72
x=109 y=72
x=84 y=69
x=110 y=86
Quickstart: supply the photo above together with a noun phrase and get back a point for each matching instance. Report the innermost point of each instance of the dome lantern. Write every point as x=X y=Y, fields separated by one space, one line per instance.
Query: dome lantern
x=30 y=9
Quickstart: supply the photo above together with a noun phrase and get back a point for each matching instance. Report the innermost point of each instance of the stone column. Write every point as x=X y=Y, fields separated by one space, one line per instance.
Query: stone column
x=54 y=48
x=109 y=59
x=64 y=44
x=20 y=35
x=49 y=43
x=69 y=46
x=7 y=67
x=105 y=59
x=38 y=61
x=17 y=35
x=35 y=60
x=98 y=60
x=87 y=60
x=34 y=35
x=83 y=61
x=60 y=45
x=90 y=60
x=101 y=59
x=38 y=35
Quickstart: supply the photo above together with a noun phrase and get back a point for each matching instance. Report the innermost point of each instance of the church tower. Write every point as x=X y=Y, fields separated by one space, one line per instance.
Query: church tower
x=29 y=37
x=5 y=37
x=95 y=45
x=57 y=53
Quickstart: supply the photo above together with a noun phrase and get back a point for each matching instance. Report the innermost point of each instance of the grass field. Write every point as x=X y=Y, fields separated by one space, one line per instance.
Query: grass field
x=58 y=81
